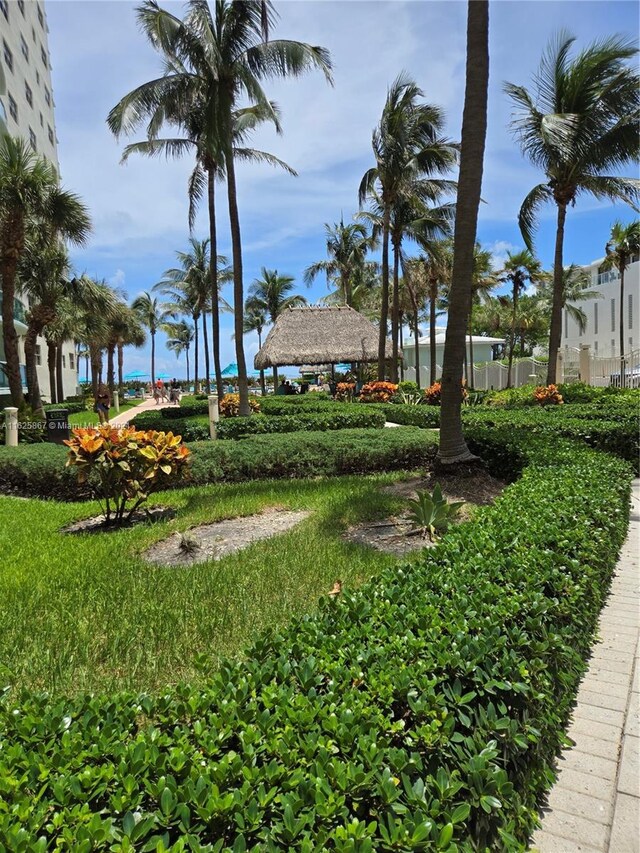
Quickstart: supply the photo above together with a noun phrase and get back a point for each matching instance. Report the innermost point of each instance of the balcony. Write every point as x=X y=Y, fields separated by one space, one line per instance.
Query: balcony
x=19 y=315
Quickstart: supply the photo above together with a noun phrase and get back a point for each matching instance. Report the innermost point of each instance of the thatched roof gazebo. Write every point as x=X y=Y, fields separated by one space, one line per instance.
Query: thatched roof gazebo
x=320 y=335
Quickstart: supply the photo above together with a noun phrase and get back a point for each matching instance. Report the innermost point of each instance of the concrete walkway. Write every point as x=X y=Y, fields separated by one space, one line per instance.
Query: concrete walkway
x=124 y=417
x=594 y=806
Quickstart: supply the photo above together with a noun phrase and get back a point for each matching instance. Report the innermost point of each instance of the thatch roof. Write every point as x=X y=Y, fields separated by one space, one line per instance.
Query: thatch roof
x=319 y=335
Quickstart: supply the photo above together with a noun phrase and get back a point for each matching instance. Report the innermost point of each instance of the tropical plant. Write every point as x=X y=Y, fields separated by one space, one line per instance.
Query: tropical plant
x=519 y=268
x=547 y=395
x=453 y=448
x=126 y=465
x=230 y=405
x=29 y=194
x=581 y=122
x=255 y=319
x=179 y=339
x=623 y=246
x=270 y=294
x=347 y=248
x=152 y=314
x=432 y=395
x=576 y=288
x=408 y=151
x=432 y=513
x=378 y=392
x=212 y=60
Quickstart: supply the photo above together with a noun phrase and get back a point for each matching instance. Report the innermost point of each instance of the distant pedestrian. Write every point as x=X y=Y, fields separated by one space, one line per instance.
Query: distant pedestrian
x=103 y=403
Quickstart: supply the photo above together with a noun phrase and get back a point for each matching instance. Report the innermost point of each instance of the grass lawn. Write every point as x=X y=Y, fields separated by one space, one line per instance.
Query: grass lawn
x=85 y=612
x=90 y=418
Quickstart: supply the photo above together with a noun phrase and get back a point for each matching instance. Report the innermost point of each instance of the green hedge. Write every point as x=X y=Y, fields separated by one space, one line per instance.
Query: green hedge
x=197 y=428
x=426 y=417
x=422 y=712
x=72 y=406
x=38 y=470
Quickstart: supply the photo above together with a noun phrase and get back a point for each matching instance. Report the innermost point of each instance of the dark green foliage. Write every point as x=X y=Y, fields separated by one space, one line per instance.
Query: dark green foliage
x=422 y=712
x=190 y=428
x=427 y=417
x=39 y=471
x=72 y=406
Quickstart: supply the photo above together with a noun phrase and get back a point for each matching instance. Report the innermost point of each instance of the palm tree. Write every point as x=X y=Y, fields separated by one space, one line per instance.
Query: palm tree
x=581 y=123
x=152 y=314
x=255 y=319
x=125 y=329
x=519 y=268
x=438 y=263
x=623 y=245
x=212 y=60
x=269 y=294
x=29 y=191
x=416 y=286
x=453 y=448
x=95 y=306
x=180 y=338
x=347 y=247
x=576 y=284
x=408 y=151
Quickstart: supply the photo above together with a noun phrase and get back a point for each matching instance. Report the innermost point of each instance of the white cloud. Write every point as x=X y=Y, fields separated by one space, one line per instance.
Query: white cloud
x=499 y=250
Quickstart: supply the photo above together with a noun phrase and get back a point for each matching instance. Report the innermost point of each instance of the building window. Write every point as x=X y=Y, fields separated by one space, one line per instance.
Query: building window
x=38 y=77
x=33 y=35
x=28 y=94
x=13 y=109
x=38 y=356
x=21 y=6
x=613 y=315
x=71 y=364
x=4 y=8
x=64 y=360
x=595 y=318
x=47 y=96
x=40 y=17
x=595 y=346
x=43 y=54
x=8 y=56
x=630 y=315
x=41 y=120
x=50 y=132
x=24 y=47
x=32 y=139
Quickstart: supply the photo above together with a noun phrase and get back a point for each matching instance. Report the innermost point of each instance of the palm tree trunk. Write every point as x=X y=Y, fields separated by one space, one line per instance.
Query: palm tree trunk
x=345 y=280
x=59 y=376
x=51 y=365
x=120 y=366
x=205 y=341
x=11 y=354
x=416 y=344
x=453 y=447
x=512 y=334
x=262 y=384
x=187 y=355
x=153 y=359
x=470 y=376
x=33 y=386
x=238 y=290
x=401 y=318
x=275 y=379
x=384 y=308
x=432 y=333
x=215 y=300
x=196 y=364
x=96 y=367
x=623 y=366
x=111 y=373
x=395 y=313
x=555 y=331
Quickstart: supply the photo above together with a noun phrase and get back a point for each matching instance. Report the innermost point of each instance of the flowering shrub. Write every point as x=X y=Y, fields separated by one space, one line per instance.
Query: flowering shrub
x=126 y=465
x=345 y=391
x=433 y=393
x=230 y=405
x=377 y=392
x=547 y=395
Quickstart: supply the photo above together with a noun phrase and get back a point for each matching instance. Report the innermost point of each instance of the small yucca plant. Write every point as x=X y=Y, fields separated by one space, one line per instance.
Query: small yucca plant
x=432 y=513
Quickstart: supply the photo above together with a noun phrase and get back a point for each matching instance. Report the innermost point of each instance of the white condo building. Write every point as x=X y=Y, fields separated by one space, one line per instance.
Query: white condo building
x=27 y=110
x=602 y=333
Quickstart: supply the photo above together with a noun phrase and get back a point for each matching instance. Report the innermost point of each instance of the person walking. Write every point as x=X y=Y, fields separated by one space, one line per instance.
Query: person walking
x=102 y=404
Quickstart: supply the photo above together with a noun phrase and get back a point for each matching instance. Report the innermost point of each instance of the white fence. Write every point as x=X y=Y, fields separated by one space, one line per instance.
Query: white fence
x=574 y=365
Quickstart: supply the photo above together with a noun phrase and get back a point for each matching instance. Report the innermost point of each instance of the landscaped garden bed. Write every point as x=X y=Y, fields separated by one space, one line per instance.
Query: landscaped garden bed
x=421 y=710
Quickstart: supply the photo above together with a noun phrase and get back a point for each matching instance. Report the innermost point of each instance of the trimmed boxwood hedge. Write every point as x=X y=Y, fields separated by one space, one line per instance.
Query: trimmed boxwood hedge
x=422 y=712
x=38 y=470
x=197 y=428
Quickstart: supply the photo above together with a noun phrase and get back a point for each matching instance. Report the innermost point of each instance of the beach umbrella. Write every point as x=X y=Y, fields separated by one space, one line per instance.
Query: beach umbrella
x=162 y=376
x=135 y=374
x=230 y=369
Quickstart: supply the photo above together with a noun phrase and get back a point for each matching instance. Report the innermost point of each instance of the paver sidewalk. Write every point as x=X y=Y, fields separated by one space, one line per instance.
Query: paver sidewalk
x=594 y=806
x=124 y=417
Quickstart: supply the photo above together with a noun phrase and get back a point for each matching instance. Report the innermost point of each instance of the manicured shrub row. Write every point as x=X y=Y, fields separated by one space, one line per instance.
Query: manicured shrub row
x=38 y=470
x=426 y=417
x=422 y=712
x=195 y=428
x=610 y=428
x=72 y=406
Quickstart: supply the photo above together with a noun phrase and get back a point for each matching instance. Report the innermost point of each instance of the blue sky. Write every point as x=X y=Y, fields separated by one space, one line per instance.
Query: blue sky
x=139 y=210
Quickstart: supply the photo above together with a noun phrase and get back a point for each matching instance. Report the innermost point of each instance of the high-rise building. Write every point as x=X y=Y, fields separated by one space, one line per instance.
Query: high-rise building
x=27 y=110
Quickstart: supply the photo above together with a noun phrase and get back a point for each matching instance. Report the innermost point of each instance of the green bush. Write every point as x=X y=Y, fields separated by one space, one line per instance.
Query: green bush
x=422 y=712
x=194 y=428
x=426 y=417
x=38 y=471
x=73 y=407
x=332 y=419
